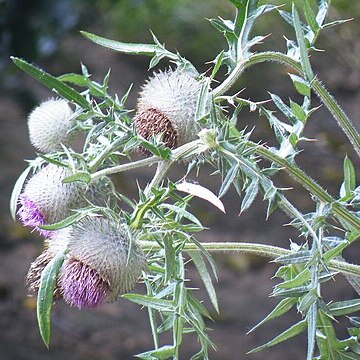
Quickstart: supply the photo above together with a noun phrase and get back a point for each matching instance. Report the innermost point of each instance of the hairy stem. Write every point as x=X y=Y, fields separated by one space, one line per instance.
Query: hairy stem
x=309 y=184
x=178 y=153
x=125 y=167
x=269 y=251
x=328 y=100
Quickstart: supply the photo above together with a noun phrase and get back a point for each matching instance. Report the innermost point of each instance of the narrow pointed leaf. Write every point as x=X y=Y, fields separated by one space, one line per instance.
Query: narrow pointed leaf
x=310 y=16
x=80 y=176
x=52 y=83
x=298 y=280
x=344 y=307
x=162 y=353
x=304 y=58
x=229 y=178
x=46 y=294
x=205 y=277
x=287 y=334
x=349 y=176
x=125 y=48
x=149 y=301
x=280 y=309
x=64 y=223
x=301 y=85
x=182 y=212
x=17 y=190
x=250 y=195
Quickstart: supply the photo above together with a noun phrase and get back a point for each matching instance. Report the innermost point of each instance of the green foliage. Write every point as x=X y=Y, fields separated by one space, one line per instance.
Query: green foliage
x=161 y=216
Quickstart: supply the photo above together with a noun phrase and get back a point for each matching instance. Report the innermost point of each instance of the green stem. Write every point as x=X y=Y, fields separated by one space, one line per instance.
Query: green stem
x=272 y=252
x=178 y=154
x=338 y=113
x=328 y=100
x=161 y=171
x=125 y=167
x=93 y=165
x=308 y=184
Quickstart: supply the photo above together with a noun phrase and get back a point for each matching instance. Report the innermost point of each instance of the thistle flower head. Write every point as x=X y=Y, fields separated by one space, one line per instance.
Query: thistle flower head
x=46 y=200
x=167 y=106
x=49 y=125
x=102 y=263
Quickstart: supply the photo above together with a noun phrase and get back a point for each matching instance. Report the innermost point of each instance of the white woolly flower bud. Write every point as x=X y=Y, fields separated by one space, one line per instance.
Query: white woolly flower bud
x=49 y=125
x=167 y=106
x=102 y=263
x=46 y=200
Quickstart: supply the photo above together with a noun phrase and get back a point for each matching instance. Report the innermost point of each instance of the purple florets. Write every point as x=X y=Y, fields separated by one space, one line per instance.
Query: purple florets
x=82 y=286
x=30 y=215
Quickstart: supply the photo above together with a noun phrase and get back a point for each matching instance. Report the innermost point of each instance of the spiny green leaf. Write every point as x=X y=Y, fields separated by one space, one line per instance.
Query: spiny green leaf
x=229 y=178
x=75 y=79
x=63 y=223
x=52 y=83
x=250 y=195
x=169 y=258
x=298 y=280
x=294 y=330
x=205 y=277
x=301 y=85
x=349 y=176
x=281 y=308
x=308 y=300
x=198 y=306
x=125 y=48
x=149 y=301
x=80 y=176
x=298 y=111
x=283 y=107
x=344 y=307
x=294 y=258
x=17 y=190
x=310 y=16
x=46 y=294
x=162 y=353
x=304 y=58
x=203 y=100
x=182 y=213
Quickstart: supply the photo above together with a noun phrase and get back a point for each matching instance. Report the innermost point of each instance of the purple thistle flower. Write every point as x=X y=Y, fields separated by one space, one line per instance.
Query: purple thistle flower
x=30 y=215
x=57 y=244
x=99 y=266
x=82 y=286
x=46 y=200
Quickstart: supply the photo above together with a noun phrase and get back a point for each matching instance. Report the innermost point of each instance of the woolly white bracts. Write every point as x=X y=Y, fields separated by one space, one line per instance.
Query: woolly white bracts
x=167 y=106
x=102 y=263
x=46 y=200
x=49 y=125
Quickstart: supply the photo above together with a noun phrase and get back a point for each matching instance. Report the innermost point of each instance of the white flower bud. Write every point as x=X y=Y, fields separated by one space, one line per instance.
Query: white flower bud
x=167 y=106
x=49 y=125
x=46 y=200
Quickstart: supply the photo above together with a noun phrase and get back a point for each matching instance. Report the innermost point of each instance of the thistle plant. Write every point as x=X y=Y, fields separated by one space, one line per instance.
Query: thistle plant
x=96 y=250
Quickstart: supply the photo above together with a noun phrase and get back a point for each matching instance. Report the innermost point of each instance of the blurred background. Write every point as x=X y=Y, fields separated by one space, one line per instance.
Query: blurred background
x=46 y=32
